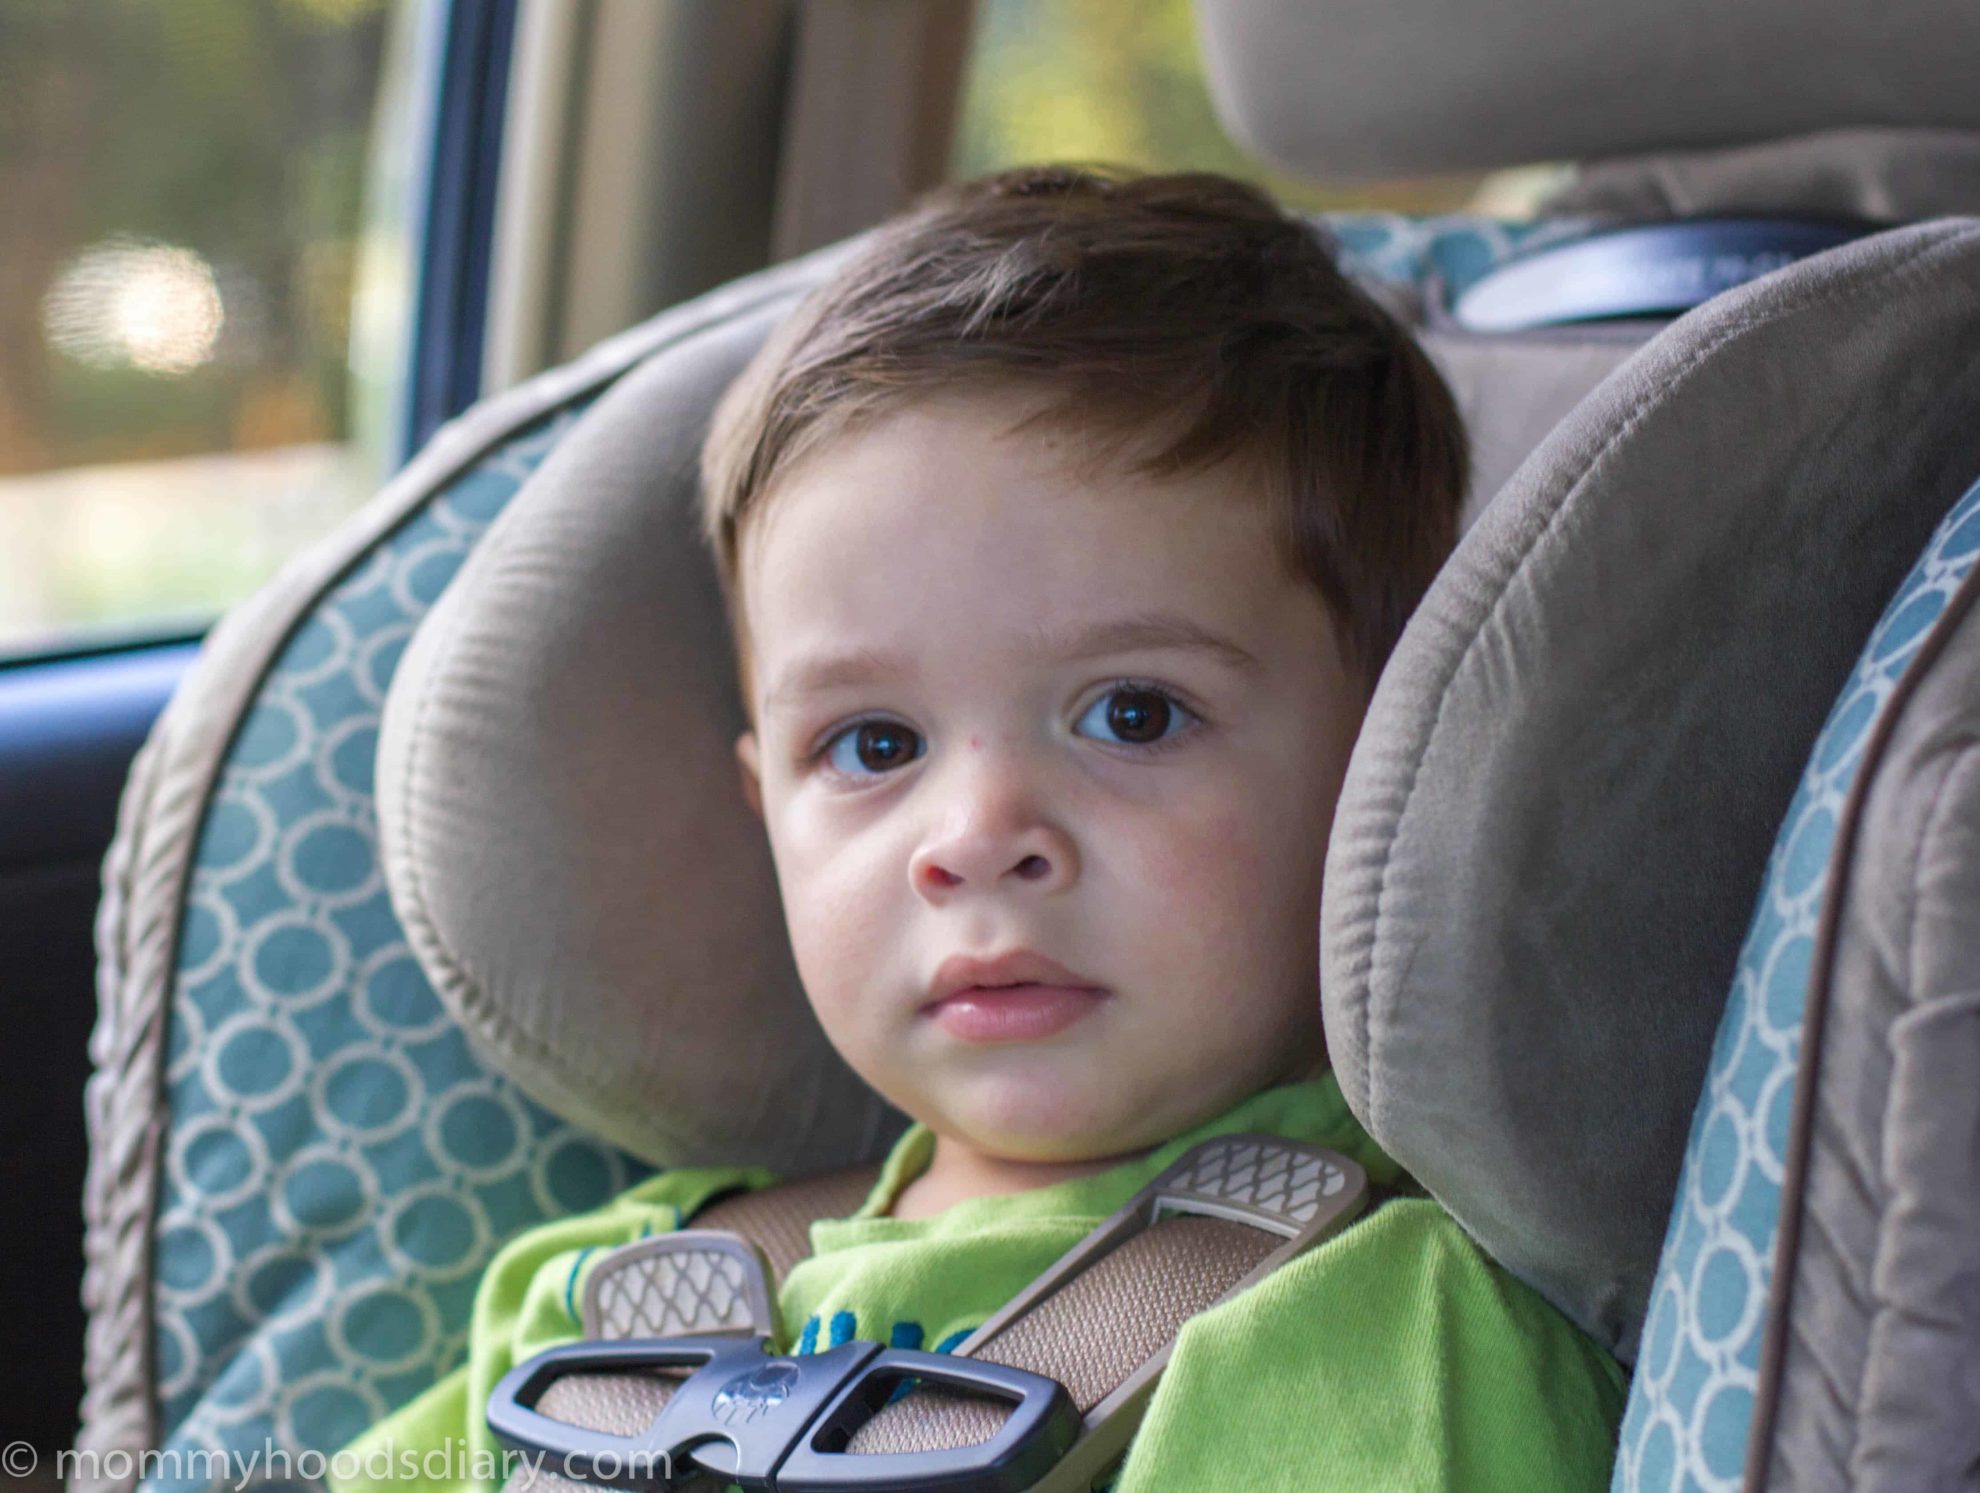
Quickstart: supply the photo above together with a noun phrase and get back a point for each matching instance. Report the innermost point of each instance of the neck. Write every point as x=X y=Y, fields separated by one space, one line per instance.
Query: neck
x=958 y=1172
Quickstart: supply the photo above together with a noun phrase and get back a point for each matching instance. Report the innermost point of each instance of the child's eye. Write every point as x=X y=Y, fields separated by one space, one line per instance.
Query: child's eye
x=1137 y=714
x=868 y=748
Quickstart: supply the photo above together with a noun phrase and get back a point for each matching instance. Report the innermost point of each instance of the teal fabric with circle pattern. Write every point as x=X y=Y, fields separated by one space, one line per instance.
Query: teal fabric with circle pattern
x=339 y=1165
x=1691 y=1403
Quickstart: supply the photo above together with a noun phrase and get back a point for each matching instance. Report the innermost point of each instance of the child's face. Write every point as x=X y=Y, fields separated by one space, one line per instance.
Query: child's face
x=1010 y=792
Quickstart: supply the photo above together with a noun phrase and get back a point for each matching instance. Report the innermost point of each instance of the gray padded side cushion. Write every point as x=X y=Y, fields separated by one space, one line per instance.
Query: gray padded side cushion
x=1558 y=813
x=1871 y=1371
x=564 y=833
x=1343 y=89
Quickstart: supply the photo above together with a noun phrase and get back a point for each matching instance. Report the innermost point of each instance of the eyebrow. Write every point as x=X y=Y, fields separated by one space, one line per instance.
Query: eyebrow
x=1151 y=630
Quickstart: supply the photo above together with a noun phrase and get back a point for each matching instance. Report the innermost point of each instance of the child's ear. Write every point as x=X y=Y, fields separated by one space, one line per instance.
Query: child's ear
x=752 y=784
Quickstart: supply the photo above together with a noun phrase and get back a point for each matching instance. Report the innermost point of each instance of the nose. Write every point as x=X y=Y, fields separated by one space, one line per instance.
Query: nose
x=993 y=835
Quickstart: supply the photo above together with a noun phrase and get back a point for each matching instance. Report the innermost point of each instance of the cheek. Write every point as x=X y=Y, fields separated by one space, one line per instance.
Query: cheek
x=1214 y=858
x=837 y=915
x=1234 y=881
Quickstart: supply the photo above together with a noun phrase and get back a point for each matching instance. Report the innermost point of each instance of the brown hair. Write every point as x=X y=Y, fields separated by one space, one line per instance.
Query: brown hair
x=1189 y=306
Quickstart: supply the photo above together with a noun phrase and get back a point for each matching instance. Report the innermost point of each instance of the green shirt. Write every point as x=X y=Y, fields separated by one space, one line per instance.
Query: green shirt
x=1394 y=1356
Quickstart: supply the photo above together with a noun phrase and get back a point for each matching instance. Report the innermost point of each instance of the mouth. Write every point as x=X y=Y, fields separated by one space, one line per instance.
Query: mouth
x=1024 y=1012
x=1020 y=996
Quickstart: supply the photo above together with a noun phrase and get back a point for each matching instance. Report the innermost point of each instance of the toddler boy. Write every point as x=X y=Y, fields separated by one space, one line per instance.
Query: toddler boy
x=1064 y=533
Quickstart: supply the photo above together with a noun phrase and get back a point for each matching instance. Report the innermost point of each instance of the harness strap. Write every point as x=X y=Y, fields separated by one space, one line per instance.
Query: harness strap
x=1091 y=1335
x=1101 y=1323
x=778 y=1220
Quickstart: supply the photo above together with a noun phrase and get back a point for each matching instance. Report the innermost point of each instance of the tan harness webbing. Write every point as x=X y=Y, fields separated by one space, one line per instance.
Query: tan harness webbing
x=778 y=1220
x=1091 y=1334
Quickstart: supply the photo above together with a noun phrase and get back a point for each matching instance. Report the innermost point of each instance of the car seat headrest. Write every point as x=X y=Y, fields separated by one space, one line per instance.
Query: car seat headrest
x=564 y=833
x=1573 y=768
x=564 y=836
x=1386 y=88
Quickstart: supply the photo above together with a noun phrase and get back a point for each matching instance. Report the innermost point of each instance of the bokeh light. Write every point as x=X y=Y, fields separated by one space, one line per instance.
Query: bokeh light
x=127 y=303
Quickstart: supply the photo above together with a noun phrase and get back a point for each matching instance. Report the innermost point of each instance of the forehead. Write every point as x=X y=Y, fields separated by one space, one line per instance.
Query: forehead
x=939 y=531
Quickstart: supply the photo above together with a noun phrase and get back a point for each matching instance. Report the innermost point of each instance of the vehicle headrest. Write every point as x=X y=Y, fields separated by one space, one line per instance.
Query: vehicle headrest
x=1574 y=766
x=1369 y=89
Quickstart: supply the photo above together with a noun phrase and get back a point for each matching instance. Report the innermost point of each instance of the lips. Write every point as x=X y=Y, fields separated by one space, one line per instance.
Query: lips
x=1017 y=996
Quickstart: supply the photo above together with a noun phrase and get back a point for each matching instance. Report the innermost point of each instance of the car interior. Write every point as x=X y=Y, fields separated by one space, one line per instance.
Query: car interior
x=1652 y=913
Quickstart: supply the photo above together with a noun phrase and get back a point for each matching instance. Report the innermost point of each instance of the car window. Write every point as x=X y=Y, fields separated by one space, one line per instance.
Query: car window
x=204 y=285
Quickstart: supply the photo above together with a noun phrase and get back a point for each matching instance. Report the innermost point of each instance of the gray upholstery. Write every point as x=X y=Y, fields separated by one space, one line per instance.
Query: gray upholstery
x=1513 y=390
x=565 y=838
x=1368 y=89
x=1872 y=1379
x=1888 y=176
x=1575 y=764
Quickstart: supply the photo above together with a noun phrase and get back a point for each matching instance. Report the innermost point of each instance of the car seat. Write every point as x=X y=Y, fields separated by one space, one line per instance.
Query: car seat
x=301 y=1155
x=331 y=1082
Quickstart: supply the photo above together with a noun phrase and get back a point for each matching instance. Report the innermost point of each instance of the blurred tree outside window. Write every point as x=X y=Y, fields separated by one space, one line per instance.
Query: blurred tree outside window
x=1121 y=82
x=200 y=325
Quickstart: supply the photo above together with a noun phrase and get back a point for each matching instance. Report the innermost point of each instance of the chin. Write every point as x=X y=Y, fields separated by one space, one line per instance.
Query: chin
x=1026 y=1119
